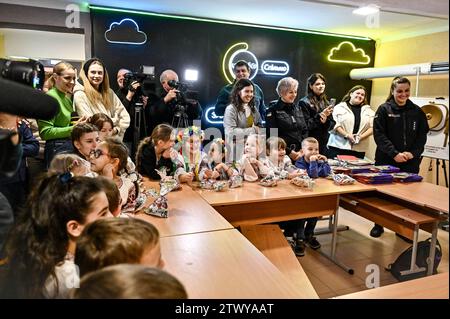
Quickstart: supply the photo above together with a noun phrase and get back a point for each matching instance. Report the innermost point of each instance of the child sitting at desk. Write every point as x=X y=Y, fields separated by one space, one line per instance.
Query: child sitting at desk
x=156 y=151
x=251 y=164
x=278 y=162
x=195 y=161
x=314 y=163
x=217 y=155
x=118 y=241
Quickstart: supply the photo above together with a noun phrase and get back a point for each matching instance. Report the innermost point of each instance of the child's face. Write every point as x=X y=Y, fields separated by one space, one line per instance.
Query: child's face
x=81 y=169
x=215 y=153
x=106 y=131
x=310 y=149
x=152 y=257
x=87 y=143
x=116 y=212
x=277 y=155
x=99 y=158
x=193 y=144
x=165 y=145
x=251 y=147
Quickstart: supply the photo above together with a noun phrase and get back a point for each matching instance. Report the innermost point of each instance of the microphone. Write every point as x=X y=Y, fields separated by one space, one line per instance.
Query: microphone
x=21 y=100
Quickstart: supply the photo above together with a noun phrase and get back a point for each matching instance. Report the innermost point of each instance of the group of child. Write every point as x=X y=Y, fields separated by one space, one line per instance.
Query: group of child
x=64 y=233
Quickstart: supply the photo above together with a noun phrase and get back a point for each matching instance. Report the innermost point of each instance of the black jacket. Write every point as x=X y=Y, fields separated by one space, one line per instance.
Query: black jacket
x=148 y=164
x=291 y=124
x=316 y=128
x=398 y=129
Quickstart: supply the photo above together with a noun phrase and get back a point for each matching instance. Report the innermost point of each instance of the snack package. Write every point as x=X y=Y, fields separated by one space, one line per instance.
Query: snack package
x=159 y=208
x=269 y=181
x=167 y=183
x=235 y=181
x=213 y=185
x=303 y=181
x=342 y=179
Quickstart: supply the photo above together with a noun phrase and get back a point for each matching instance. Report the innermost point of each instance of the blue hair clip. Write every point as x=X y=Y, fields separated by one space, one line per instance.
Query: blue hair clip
x=64 y=178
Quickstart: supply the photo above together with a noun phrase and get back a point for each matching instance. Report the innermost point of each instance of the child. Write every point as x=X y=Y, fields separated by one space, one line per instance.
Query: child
x=118 y=241
x=217 y=154
x=194 y=159
x=84 y=139
x=314 y=163
x=126 y=281
x=110 y=160
x=104 y=124
x=278 y=162
x=251 y=164
x=63 y=163
x=156 y=151
x=113 y=194
x=41 y=246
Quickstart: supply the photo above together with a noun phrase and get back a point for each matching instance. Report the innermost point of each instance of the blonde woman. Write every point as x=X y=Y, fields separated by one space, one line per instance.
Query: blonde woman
x=92 y=94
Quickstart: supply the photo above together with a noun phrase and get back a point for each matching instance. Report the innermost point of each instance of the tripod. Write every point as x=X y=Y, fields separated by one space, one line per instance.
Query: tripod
x=180 y=118
x=139 y=122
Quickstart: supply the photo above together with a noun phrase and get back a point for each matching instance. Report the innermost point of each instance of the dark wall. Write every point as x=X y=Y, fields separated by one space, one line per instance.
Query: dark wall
x=179 y=44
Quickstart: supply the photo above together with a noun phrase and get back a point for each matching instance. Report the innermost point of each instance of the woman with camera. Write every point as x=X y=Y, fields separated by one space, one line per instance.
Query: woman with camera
x=92 y=94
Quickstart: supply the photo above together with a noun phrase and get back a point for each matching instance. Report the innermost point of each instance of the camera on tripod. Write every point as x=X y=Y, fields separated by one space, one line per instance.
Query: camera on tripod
x=185 y=99
x=147 y=81
x=23 y=70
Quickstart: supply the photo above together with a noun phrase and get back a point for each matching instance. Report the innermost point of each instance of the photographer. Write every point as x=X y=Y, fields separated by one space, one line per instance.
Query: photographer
x=173 y=103
x=127 y=95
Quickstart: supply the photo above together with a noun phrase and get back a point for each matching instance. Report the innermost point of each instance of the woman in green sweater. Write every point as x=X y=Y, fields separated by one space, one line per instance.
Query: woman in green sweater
x=56 y=131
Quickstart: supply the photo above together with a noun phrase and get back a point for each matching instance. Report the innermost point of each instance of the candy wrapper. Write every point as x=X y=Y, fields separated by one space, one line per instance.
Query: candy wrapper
x=167 y=183
x=158 y=208
x=342 y=179
x=235 y=181
x=213 y=185
x=303 y=181
x=269 y=181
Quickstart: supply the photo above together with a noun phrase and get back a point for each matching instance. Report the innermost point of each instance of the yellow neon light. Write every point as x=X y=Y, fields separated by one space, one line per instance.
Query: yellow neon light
x=225 y=58
x=354 y=49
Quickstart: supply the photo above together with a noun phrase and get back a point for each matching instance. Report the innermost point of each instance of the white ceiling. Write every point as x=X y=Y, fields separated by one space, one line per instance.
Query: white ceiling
x=397 y=18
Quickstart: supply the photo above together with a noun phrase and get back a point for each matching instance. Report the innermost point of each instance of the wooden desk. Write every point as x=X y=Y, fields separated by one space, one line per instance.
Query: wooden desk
x=188 y=213
x=423 y=193
x=254 y=204
x=224 y=264
x=431 y=287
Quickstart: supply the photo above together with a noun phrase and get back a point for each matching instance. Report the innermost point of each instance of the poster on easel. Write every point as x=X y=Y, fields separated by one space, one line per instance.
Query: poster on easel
x=436 y=111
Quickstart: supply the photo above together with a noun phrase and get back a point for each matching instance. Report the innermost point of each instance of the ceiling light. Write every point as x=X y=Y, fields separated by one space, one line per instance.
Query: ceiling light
x=366 y=10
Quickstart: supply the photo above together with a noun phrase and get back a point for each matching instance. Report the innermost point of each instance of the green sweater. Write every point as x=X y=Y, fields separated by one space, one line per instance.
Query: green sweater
x=58 y=127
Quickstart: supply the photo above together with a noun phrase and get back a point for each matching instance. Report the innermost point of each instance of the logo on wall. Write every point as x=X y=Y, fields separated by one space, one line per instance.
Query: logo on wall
x=239 y=51
x=125 y=32
x=346 y=52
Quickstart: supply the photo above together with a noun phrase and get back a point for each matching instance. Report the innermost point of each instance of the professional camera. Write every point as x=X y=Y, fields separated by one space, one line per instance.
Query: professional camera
x=185 y=99
x=23 y=70
x=147 y=81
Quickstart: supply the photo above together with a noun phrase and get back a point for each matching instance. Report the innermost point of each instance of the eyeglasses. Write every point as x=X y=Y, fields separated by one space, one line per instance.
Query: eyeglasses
x=97 y=153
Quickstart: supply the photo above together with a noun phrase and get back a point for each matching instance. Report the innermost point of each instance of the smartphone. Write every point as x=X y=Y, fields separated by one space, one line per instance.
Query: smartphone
x=332 y=102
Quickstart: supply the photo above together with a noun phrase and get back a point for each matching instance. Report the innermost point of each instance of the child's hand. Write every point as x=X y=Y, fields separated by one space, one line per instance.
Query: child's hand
x=322 y=158
x=221 y=166
x=214 y=174
x=313 y=158
x=186 y=178
x=108 y=170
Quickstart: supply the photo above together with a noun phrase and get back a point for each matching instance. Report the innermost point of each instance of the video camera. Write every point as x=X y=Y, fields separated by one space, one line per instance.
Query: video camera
x=23 y=70
x=147 y=81
x=184 y=95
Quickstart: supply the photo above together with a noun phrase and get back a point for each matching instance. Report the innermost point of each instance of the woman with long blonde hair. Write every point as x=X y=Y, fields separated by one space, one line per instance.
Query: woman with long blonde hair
x=92 y=94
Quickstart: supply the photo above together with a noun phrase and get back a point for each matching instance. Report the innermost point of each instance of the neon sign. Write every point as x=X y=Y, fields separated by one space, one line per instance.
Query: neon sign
x=271 y=67
x=211 y=117
x=125 y=32
x=346 y=52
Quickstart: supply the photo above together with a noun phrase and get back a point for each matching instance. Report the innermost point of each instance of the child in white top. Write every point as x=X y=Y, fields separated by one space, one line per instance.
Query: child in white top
x=251 y=164
x=217 y=154
x=279 y=164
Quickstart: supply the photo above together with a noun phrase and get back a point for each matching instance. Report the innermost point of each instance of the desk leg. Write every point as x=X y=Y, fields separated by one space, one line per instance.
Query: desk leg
x=413 y=267
x=329 y=229
x=332 y=256
x=430 y=260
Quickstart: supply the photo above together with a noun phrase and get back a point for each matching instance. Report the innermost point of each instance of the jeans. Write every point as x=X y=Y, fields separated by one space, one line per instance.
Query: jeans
x=307 y=232
x=54 y=147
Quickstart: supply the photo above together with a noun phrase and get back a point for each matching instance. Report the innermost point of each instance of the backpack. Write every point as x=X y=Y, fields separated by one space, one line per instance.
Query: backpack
x=403 y=262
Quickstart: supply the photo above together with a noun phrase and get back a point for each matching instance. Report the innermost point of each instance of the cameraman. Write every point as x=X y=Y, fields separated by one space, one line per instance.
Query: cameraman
x=163 y=109
x=127 y=96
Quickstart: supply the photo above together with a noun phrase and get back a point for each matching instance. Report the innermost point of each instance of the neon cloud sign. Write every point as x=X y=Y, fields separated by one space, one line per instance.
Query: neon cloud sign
x=125 y=32
x=346 y=52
